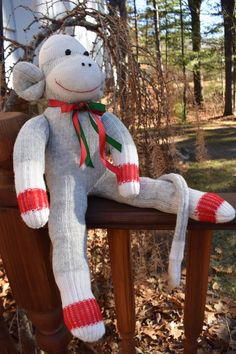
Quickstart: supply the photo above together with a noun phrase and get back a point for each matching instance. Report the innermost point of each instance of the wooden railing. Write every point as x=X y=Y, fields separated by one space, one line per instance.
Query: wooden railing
x=26 y=257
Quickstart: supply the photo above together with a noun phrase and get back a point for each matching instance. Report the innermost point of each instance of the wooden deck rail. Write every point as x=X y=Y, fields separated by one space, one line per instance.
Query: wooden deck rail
x=26 y=257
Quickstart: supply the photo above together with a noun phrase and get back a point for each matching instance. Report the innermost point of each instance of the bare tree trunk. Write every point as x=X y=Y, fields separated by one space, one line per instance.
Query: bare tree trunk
x=157 y=37
x=146 y=26
x=222 y=70
x=2 y=66
x=123 y=9
x=183 y=62
x=234 y=65
x=136 y=28
x=228 y=12
x=195 y=6
x=234 y=60
x=121 y=5
x=166 y=37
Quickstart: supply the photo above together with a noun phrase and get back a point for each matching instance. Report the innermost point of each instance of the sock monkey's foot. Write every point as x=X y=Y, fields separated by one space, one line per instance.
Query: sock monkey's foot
x=209 y=207
x=84 y=320
x=82 y=314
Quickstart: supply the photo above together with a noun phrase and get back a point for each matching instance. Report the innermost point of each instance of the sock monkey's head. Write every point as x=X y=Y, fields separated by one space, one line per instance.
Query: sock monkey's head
x=65 y=72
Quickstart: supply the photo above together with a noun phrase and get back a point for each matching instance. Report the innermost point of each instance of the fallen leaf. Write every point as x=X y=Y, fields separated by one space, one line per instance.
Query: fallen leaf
x=5 y=288
x=215 y=286
x=151 y=332
x=219 y=307
x=218 y=250
x=174 y=330
x=210 y=317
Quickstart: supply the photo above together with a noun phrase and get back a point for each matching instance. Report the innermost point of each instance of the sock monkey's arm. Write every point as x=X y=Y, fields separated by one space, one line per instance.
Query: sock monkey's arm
x=29 y=165
x=127 y=159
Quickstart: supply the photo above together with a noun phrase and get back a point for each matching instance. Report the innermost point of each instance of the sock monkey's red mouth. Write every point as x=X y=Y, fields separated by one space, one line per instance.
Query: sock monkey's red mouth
x=76 y=91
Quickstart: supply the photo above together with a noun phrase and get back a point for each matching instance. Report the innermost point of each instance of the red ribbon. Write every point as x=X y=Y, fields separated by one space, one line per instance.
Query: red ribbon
x=95 y=113
x=83 y=153
x=102 y=141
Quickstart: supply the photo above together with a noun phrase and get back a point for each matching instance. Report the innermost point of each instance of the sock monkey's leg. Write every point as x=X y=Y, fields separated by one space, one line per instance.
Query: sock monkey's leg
x=67 y=230
x=162 y=195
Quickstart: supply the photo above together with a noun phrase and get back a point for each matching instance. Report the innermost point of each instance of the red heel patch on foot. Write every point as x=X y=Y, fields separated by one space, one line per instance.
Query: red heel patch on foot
x=208 y=206
x=81 y=314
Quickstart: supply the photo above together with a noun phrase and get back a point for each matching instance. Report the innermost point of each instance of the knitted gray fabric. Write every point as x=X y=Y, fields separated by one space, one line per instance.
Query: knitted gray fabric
x=49 y=144
x=168 y=194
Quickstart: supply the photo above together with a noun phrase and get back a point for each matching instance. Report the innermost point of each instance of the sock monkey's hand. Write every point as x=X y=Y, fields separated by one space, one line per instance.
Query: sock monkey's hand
x=31 y=192
x=129 y=189
x=128 y=180
x=34 y=207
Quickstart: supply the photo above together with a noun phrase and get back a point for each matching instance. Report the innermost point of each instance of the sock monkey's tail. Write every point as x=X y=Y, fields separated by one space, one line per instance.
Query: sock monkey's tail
x=178 y=243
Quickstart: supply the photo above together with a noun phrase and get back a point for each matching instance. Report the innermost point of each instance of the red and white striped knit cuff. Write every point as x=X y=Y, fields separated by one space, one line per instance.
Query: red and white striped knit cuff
x=34 y=207
x=128 y=180
x=32 y=199
x=84 y=320
x=212 y=208
x=82 y=314
x=128 y=173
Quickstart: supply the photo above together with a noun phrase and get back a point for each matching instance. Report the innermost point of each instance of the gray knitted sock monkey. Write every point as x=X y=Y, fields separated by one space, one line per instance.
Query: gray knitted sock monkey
x=66 y=143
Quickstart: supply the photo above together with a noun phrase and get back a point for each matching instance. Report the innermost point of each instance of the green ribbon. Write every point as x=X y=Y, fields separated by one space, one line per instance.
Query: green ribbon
x=99 y=109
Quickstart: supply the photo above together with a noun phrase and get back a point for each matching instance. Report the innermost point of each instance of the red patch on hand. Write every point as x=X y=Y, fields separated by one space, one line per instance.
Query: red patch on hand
x=32 y=199
x=128 y=173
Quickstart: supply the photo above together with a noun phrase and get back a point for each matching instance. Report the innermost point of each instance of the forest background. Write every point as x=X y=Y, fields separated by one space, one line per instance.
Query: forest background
x=171 y=77
x=194 y=38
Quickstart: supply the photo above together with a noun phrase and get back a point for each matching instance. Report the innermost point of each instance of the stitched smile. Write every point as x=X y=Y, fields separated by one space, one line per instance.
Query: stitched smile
x=77 y=90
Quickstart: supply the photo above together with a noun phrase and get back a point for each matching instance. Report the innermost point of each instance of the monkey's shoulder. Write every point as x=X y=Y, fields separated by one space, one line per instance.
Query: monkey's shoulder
x=36 y=124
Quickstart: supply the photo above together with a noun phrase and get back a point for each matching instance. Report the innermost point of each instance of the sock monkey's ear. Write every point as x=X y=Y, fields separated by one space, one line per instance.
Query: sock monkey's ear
x=28 y=81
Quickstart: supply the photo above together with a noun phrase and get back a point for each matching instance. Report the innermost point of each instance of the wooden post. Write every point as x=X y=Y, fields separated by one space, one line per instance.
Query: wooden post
x=26 y=257
x=26 y=253
x=198 y=258
x=121 y=268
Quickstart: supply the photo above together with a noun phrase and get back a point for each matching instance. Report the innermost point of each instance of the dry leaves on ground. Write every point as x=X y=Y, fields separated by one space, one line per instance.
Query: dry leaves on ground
x=159 y=313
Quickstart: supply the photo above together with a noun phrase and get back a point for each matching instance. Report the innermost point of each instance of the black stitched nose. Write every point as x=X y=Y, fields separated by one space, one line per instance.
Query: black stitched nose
x=83 y=64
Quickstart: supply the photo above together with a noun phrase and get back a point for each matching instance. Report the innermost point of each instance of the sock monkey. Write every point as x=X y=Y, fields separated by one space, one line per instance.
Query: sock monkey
x=66 y=143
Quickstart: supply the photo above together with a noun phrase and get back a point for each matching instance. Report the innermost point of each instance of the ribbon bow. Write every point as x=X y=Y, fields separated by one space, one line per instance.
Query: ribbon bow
x=95 y=111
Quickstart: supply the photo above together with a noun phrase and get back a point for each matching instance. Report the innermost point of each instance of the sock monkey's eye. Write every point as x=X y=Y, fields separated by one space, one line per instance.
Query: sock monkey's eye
x=67 y=52
x=86 y=53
